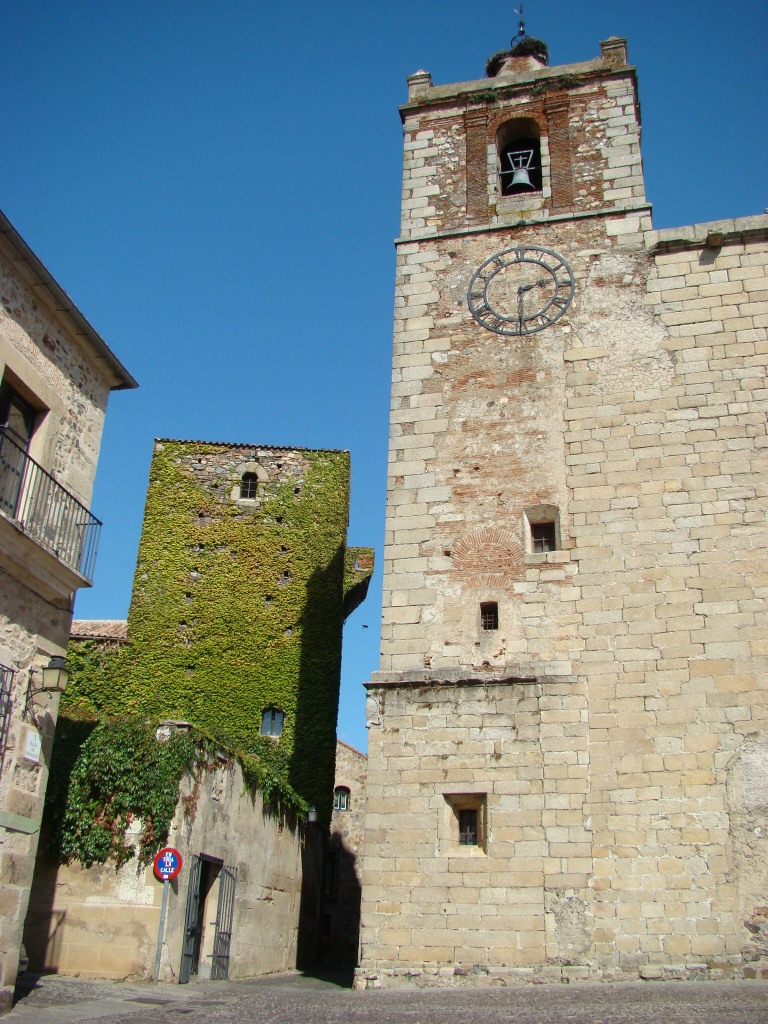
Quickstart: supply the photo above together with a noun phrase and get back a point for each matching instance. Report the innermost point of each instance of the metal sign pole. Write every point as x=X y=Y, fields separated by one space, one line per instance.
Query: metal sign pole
x=161 y=929
x=167 y=865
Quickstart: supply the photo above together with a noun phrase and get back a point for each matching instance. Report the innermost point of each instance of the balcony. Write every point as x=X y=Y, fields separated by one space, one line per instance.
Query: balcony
x=45 y=511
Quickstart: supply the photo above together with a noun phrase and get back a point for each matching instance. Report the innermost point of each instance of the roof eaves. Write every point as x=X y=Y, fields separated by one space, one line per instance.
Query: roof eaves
x=250 y=444
x=61 y=302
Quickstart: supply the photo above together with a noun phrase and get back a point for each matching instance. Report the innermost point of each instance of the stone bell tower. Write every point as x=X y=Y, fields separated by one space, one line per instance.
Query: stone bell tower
x=527 y=654
x=477 y=495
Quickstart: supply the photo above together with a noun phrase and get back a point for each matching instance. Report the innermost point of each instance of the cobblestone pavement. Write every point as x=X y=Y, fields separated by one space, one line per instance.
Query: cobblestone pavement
x=295 y=999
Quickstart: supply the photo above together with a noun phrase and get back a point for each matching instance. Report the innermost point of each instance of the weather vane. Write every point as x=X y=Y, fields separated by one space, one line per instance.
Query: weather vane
x=521 y=27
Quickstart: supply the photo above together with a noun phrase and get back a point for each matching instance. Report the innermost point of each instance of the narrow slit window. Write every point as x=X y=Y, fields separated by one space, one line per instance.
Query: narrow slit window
x=543 y=537
x=468 y=827
x=489 y=615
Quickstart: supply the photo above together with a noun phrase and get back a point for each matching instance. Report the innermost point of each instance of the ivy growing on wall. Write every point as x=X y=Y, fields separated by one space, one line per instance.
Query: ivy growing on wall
x=237 y=607
x=108 y=775
x=118 y=773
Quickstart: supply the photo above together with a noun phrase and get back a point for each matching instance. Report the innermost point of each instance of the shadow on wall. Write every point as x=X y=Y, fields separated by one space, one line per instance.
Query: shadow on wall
x=313 y=760
x=42 y=924
x=340 y=931
x=311 y=770
x=309 y=907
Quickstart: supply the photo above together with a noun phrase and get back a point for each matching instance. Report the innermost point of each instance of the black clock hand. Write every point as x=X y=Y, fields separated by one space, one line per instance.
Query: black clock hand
x=520 y=292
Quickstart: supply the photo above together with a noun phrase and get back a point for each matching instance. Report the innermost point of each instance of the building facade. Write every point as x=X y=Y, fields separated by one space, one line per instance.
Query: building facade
x=568 y=757
x=57 y=374
x=243 y=581
x=246 y=902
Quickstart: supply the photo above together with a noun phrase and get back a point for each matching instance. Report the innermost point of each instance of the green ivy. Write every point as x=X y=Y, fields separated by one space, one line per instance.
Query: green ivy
x=235 y=610
x=120 y=773
x=105 y=775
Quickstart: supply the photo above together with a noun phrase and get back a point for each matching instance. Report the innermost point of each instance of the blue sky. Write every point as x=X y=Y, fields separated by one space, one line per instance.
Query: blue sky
x=217 y=187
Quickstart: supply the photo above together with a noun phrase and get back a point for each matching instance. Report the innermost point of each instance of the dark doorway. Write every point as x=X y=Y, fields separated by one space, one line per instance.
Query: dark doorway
x=208 y=924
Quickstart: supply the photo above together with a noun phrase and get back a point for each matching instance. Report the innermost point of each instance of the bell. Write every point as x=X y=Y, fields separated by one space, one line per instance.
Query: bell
x=520 y=161
x=521 y=178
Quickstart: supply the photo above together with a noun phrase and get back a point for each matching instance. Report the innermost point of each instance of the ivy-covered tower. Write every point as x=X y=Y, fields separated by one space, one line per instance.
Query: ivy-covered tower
x=242 y=584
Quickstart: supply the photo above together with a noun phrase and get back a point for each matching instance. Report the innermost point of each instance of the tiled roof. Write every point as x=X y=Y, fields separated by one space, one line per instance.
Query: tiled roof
x=99 y=629
x=252 y=444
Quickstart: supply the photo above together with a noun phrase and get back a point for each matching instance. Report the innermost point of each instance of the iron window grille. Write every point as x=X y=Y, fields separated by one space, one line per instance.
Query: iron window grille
x=543 y=537
x=248 y=486
x=6 y=683
x=468 y=827
x=489 y=615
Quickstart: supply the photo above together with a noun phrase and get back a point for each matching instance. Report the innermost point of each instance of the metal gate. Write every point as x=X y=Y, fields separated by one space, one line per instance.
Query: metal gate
x=191 y=921
x=224 y=914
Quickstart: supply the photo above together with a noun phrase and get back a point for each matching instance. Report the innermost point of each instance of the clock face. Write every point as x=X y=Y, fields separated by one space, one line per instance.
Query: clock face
x=520 y=291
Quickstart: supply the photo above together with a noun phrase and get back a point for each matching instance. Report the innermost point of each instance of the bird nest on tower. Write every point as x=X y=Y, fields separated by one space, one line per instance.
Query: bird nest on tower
x=528 y=46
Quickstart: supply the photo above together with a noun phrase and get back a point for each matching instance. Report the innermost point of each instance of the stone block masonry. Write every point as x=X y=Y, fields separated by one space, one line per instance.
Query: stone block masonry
x=568 y=745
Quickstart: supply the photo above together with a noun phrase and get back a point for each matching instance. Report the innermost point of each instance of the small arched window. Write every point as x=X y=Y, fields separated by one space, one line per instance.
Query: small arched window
x=272 y=722
x=341 y=798
x=248 y=485
x=519 y=150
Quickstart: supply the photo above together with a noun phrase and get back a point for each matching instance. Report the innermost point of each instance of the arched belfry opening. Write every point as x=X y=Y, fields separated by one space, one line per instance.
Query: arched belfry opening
x=518 y=145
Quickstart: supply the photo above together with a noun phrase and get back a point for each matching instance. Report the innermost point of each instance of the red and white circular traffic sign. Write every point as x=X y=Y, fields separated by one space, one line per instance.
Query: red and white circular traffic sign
x=167 y=863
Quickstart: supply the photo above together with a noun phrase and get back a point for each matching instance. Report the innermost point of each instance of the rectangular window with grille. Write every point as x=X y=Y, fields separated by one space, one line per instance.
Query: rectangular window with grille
x=464 y=827
x=489 y=615
x=468 y=827
x=543 y=537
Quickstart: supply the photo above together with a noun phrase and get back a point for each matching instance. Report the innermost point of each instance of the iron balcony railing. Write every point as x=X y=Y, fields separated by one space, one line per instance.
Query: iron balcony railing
x=45 y=510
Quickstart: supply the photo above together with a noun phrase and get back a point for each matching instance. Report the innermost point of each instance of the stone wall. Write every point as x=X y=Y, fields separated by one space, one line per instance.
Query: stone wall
x=39 y=351
x=602 y=733
x=669 y=523
x=100 y=922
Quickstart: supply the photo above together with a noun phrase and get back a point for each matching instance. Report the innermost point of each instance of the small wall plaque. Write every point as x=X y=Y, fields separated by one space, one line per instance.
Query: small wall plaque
x=33 y=745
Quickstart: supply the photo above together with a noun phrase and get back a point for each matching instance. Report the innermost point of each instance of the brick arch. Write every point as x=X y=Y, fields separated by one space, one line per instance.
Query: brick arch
x=490 y=557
